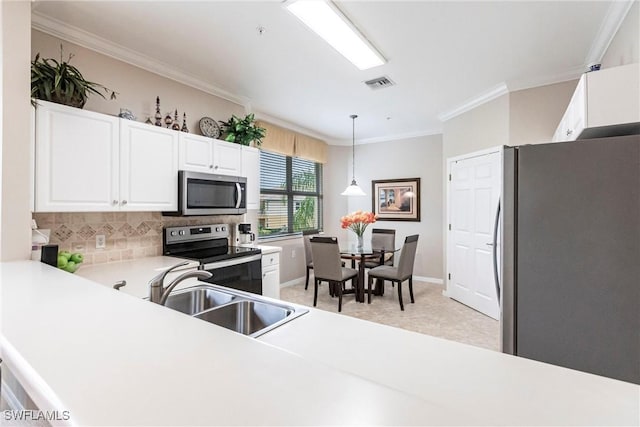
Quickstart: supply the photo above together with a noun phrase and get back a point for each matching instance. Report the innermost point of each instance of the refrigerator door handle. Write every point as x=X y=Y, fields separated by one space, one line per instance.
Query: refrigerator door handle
x=495 y=252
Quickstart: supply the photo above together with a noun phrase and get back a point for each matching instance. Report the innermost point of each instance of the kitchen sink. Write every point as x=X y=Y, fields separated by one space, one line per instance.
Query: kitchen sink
x=246 y=317
x=238 y=311
x=197 y=299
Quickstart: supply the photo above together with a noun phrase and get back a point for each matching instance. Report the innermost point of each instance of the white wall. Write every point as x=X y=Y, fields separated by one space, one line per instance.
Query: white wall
x=15 y=230
x=625 y=46
x=137 y=89
x=408 y=158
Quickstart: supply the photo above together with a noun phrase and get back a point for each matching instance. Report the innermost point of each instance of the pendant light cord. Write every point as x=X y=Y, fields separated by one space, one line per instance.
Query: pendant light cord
x=353 y=147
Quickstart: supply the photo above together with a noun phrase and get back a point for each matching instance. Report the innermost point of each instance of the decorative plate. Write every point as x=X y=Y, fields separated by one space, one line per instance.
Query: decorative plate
x=209 y=127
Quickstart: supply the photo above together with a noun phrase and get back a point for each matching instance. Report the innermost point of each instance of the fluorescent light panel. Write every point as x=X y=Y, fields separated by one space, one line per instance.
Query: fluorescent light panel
x=324 y=18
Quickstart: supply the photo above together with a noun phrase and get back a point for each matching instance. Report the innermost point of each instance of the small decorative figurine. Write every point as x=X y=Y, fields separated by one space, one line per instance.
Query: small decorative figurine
x=168 y=120
x=148 y=121
x=184 y=123
x=158 y=113
x=176 y=125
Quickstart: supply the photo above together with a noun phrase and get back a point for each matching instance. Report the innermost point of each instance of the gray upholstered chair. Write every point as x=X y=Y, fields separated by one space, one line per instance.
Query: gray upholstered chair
x=327 y=266
x=398 y=274
x=308 y=259
x=382 y=238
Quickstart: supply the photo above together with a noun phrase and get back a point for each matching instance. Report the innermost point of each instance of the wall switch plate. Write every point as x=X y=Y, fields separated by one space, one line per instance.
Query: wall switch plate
x=101 y=241
x=293 y=253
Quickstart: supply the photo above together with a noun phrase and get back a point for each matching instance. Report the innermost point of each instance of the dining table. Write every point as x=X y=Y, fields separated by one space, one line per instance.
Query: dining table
x=361 y=254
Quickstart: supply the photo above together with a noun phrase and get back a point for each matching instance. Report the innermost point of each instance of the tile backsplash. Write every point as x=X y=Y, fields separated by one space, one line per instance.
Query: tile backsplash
x=128 y=235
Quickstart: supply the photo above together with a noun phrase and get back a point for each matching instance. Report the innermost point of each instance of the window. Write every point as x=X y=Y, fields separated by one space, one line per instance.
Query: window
x=290 y=195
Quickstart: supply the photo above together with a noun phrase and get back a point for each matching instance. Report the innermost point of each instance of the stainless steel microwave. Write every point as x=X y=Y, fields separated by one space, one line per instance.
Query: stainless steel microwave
x=209 y=194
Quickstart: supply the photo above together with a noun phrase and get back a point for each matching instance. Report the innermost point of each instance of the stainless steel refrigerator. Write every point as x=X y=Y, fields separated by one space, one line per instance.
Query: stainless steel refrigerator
x=571 y=255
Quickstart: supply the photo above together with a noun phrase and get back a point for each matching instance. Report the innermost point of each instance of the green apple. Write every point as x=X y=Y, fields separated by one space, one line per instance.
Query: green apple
x=77 y=258
x=70 y=267
x=65 y=254
x=62 y=261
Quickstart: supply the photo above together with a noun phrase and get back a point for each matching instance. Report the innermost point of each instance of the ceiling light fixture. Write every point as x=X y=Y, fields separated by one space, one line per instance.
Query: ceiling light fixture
x=353 y=189
x=326 y=20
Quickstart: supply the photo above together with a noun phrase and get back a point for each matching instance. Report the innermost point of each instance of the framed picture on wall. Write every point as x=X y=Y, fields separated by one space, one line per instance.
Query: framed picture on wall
x=396 y=199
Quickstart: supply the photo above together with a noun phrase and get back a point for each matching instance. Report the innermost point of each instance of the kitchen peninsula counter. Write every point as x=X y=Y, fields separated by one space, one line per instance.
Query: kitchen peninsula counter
x=111 y=359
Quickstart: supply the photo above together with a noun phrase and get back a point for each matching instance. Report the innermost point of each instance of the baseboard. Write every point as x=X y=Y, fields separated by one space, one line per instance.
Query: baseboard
x=429 y=280
x=293 y=282
x=11 y=399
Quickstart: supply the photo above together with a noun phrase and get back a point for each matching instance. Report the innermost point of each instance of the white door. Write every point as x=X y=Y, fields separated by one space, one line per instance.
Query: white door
x=148 y=167
x=251 y=171
x=474 y=191
x=227 y=158
x=76 y=160
x=196 y=153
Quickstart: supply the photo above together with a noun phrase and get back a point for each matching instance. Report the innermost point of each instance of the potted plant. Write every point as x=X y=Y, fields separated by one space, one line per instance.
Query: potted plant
x=62 y=83
x=243 y=131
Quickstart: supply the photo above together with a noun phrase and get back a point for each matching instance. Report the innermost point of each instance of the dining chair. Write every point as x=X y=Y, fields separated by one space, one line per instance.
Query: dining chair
x=327 y=266
x=306 y=238
x=398 y=274
x=382 y=238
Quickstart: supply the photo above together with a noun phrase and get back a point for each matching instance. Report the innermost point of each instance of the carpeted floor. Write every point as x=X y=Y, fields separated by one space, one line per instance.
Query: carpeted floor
x=432 y=313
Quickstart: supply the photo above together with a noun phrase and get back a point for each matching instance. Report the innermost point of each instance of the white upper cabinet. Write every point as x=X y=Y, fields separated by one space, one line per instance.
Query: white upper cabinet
x=87 y=161
x=76 y=160
x=251 y=170
x=602 y=98
x=148 y=167
x=202 y=154
x=196 y=153
x=227 y=158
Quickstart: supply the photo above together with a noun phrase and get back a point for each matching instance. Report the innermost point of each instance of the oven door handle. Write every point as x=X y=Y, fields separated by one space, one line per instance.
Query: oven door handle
x=239 y=194
x=231 y=262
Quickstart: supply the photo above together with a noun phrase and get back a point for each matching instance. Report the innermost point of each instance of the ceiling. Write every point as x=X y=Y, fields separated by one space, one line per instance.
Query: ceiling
x=441 y=55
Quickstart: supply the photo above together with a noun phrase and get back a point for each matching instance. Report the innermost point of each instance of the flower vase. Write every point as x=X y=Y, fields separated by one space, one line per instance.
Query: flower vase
x=360 y=242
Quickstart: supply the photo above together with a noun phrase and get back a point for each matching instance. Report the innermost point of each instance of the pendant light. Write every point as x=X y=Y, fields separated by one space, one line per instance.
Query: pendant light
x=353 y=189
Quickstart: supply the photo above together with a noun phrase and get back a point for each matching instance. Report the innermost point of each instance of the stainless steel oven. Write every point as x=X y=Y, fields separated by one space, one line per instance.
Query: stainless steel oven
x=231 y=266
x=209 y=194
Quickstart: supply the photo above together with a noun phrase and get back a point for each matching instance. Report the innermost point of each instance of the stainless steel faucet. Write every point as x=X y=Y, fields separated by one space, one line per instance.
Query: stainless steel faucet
x=159 y=294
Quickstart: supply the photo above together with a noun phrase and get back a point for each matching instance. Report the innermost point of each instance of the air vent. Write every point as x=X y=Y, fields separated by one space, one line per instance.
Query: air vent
x=379 y=83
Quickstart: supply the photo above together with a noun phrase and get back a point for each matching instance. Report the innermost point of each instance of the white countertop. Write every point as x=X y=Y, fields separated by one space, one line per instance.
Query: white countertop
x=115 y=360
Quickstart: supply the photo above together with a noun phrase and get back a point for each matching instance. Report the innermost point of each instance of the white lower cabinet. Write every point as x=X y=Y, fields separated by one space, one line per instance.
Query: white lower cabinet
x=87 y=161
x=271 y=275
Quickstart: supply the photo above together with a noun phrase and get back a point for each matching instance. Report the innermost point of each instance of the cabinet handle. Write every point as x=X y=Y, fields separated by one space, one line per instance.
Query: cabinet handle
x=264 y=274
x=210 y=166
x=115 y=202
x=124 y=202
x=569 y=132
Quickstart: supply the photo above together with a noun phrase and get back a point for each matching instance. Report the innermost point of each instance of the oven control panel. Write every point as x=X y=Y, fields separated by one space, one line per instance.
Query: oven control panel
x=192 y=233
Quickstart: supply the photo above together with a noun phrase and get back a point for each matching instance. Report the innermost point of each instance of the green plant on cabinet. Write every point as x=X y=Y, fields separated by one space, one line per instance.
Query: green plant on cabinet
x=243 y=131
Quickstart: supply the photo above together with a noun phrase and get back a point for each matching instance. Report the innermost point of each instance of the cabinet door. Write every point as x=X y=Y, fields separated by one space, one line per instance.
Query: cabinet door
x=149 y=167
x=76 y=158
x=196 y=153
x=251 y=171
x=271 y=275
x=577 y=111
x=227 y=158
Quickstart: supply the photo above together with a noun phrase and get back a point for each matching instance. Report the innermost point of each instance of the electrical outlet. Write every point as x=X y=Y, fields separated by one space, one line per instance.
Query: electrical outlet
x=101 y=241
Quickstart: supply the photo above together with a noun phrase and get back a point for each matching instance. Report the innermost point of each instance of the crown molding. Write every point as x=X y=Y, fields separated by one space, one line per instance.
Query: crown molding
x=470 y=104
x=288 y=125
x=521 y=84
x=610 y=25
x=398 y=137
x=106 y=47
